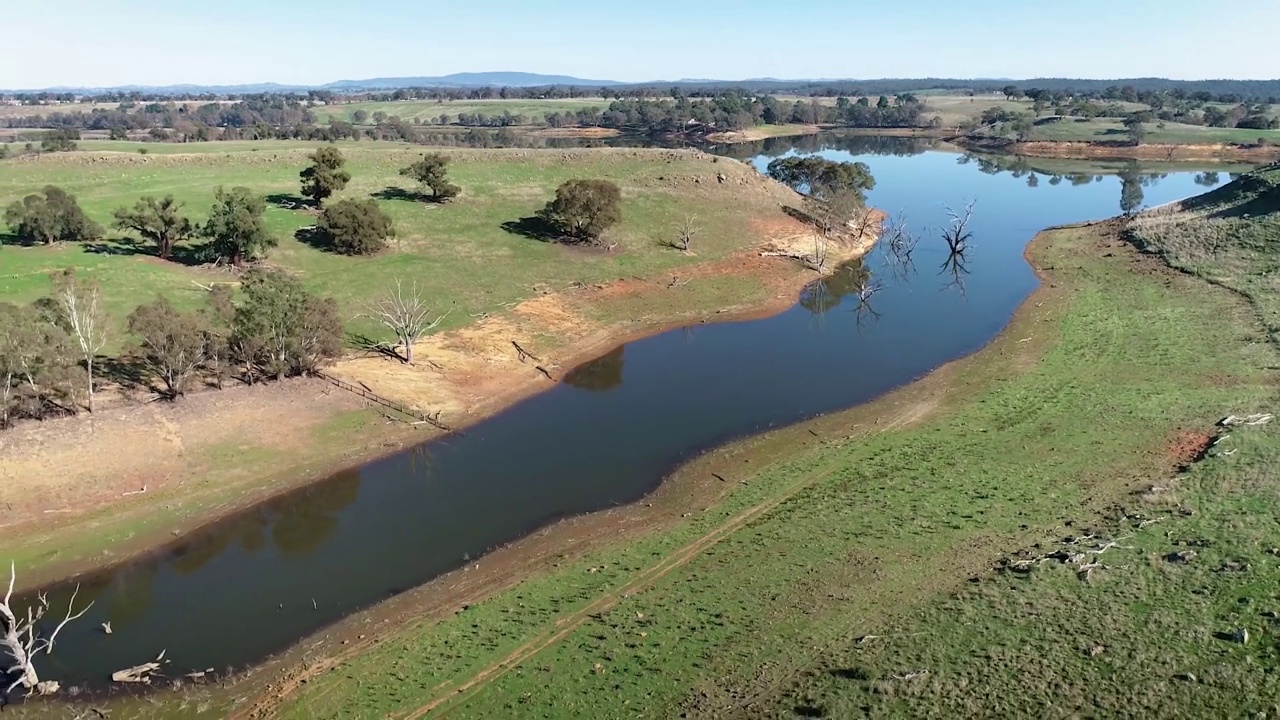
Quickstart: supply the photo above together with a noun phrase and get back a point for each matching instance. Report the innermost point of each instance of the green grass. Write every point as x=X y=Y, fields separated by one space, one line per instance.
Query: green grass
x=534 y=110
x=884 y=527
x=458 y=252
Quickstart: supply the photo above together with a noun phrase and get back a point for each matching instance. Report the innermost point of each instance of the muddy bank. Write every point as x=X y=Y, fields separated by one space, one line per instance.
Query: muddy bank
x=1108 y=151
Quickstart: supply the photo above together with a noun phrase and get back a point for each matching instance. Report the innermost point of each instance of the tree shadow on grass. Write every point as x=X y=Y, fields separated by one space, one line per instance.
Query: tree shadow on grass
x=374 y=347
x=533 y=227
x=128 y=373
x=289 y=201
x=392 y=192
x=11 y=239
x=183 y=253
x=313 y=237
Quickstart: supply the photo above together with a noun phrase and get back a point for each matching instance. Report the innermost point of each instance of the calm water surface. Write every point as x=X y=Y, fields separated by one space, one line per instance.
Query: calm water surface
x=232 y=594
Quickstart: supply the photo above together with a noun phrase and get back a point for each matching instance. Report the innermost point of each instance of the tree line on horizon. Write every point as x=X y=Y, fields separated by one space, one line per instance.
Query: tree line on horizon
x=1223 y=90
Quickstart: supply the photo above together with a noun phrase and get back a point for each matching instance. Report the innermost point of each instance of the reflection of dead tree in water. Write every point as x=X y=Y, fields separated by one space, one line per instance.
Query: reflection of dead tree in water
x=902 y=245
x=20 y=652
x=957 y=236
x=955 y=266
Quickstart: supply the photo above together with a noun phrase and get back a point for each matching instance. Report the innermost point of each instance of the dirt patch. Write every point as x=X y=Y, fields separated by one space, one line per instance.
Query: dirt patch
x=1188 y=447
x=1103 y=151
x=589 y=133
x=755 y=134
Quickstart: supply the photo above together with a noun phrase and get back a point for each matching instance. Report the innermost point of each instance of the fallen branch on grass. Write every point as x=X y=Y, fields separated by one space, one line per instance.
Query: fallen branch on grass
x=524 y=354
x=1252 y=420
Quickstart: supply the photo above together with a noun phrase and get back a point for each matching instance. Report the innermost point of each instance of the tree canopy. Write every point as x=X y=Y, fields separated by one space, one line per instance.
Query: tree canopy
x=431 y=172
x=50 y=216
x=325 y=175
x=235 y=228
x=159 y=221
x=584 y=209
x=172 y=343
x=355 y=227
x=281 y=328
x=822 y=178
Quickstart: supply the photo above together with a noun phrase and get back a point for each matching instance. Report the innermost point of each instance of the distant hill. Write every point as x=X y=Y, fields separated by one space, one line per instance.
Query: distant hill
x=1244 y=89
x=456 y=80
x=475 y=79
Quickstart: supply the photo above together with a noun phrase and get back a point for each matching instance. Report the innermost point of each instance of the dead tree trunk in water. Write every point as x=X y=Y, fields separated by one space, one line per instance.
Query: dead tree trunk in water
x=20 y=644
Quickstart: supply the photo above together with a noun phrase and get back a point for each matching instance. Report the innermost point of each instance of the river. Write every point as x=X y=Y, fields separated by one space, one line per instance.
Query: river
x=233 y=593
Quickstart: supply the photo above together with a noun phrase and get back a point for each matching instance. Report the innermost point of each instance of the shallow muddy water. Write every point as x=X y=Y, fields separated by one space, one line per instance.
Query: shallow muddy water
x=231 y=594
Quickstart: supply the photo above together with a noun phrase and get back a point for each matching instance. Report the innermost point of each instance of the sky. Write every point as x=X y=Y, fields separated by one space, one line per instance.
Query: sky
x=99 y=43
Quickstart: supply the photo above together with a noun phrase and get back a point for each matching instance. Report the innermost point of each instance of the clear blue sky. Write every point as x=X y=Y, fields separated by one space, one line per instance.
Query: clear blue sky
x=118 y=42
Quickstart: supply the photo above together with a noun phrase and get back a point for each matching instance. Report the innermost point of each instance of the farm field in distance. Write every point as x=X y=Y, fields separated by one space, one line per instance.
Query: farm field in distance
x=428 y=110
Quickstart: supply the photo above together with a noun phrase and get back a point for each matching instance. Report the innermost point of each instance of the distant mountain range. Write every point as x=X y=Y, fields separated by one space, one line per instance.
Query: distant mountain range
x=456 y=80
x=1247 y=88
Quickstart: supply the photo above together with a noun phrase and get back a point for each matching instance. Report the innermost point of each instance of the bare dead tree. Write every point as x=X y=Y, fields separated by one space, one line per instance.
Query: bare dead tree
x=20 y=643
x=901 y=242
x=406 y=314
x=957 y=235
x=85 y=317
x=821 y=249
x=686 y=232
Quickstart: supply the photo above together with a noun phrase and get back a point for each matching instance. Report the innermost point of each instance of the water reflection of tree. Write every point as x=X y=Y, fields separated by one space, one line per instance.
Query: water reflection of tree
x=1208 y=178
x=603 y=373
x=821 y=296
x=809 y=144
x=307 y=521
x=1131 y=193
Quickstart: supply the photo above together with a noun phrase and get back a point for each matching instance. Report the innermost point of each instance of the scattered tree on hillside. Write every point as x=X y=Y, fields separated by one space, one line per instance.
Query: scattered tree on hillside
x=822 y=178
x=584 y=209
x=235 y=228
x=1137 y=131
x=60 y=140
x=159 y=221
x=219 y=315
x=325 y=175
x=431 y=172
x=50 y=216
x=837 y=212
x=1021 y=125
x=79 y=309
x=685 y=232
x=37 y=366
x=173 y=344
x=283 y=329
x=406 y=314
x=355 y=227
x=359 y=116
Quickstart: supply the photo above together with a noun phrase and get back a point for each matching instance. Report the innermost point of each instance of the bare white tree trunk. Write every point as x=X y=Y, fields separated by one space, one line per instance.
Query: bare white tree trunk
x=82 y=306
x=406 y=314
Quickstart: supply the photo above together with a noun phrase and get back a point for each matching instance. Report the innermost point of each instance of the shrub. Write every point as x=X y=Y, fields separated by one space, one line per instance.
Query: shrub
x=354 y=227
x=584 y=209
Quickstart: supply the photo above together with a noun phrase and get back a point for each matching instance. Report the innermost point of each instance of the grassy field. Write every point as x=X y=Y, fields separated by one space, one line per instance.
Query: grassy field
x=459 y=251
x=851 y=575
x=426 y=110
x=1111 y=130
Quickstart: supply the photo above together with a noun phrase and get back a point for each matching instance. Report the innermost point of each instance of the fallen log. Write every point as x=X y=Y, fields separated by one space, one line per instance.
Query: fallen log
x=139 y=673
